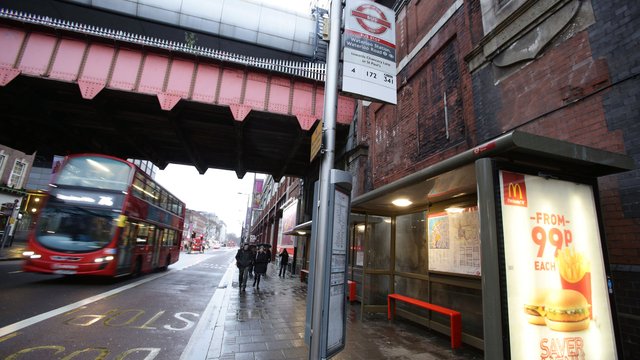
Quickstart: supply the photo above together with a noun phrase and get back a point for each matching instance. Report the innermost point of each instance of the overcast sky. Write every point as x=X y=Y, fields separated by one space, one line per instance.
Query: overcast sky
x=216 y=191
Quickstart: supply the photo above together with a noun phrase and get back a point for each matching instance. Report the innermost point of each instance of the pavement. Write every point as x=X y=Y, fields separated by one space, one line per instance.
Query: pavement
x=269 y=323
x=13 y=252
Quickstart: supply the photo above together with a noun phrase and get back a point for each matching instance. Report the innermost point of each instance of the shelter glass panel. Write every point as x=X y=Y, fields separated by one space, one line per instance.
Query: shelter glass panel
x=379 y=241
x=356 y=251
x=411 y=244
x=415 y=288
x=467 y=301
x=376 y=289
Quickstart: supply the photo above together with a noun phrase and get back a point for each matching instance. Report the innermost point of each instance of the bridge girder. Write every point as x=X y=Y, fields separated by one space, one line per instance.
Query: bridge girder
x=64 y=93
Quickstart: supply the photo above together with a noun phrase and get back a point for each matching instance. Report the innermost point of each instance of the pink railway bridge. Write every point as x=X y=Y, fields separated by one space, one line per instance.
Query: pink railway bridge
x=68 y=87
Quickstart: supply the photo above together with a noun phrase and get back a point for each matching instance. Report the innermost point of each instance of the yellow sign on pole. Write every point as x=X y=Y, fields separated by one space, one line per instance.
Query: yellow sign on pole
x=316 y=141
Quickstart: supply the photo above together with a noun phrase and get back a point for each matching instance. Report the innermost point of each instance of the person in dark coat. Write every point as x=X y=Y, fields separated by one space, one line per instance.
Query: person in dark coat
x=260 y=266
x=267 y=250
x=254 y=252
x=284 y=260
x=244 y=260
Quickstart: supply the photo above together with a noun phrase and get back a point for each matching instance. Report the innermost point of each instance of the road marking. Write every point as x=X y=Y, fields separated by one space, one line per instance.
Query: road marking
x=15 y=272
x=203 y=335
x=49 y=314
x=4 y=338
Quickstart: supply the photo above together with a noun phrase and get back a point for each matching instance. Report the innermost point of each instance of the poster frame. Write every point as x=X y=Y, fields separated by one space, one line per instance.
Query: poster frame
x=468 y=207
x=499 y=166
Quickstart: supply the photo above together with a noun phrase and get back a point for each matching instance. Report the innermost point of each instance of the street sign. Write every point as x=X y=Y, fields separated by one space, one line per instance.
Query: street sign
x=369 y=54
x=333 y=305
x=316 y=141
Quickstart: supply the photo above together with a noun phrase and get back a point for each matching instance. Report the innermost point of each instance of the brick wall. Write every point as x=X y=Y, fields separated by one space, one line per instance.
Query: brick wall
x=419 y=132
x=584 y=88
x=615 y=38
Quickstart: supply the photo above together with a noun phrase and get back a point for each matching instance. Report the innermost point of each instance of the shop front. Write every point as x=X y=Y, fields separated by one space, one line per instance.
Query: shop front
x=486 y=231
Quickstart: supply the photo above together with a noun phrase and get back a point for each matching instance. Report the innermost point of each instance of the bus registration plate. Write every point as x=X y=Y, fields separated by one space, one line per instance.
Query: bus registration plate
x=65 y=272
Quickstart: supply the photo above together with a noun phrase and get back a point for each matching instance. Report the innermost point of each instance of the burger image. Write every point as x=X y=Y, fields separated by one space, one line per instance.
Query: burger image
x=535 y=308
x=566 y=310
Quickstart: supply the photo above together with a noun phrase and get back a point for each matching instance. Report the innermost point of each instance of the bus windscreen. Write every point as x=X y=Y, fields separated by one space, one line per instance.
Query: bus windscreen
x=75 y=229
x=96 y=172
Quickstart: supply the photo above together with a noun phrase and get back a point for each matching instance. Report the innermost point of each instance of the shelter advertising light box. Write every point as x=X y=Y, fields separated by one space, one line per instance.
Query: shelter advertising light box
x=556 y=285
x=289 y=217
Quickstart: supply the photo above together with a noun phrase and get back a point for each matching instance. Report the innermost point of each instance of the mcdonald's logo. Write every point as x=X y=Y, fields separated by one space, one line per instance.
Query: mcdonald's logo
x=514 y=189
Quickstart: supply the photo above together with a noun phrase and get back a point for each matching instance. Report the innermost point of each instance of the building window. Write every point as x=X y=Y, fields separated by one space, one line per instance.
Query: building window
x=17 y=174
x=3 y=158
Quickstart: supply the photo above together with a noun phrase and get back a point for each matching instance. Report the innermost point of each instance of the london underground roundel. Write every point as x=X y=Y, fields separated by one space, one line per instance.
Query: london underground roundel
x=371 y=19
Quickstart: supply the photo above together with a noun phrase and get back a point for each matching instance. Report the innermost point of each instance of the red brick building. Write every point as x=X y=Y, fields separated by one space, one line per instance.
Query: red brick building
x=276 y=200
x=471 y=71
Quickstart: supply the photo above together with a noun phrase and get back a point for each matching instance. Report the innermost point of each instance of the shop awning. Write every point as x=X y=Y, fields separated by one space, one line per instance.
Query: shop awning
x=455 y=176
x=302 y=229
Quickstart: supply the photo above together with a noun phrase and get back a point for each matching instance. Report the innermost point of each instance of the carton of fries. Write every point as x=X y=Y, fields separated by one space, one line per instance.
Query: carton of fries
x=575 y=271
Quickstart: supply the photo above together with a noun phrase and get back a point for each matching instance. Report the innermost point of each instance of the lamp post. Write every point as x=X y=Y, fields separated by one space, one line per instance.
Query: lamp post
x=246 y=225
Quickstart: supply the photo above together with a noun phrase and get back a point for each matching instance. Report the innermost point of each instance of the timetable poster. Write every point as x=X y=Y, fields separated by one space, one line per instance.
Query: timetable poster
x=556 y=286
x=454 y=241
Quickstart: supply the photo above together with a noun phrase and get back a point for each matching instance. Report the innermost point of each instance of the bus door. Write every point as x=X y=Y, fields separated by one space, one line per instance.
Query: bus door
x=157 y=237
x=125 y=247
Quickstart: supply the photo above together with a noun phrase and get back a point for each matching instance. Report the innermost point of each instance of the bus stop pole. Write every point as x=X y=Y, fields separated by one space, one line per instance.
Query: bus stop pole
x=329 y=134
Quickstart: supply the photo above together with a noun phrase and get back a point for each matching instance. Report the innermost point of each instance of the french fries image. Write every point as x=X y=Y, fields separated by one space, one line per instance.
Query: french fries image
x=575 y=272
x=571 y=264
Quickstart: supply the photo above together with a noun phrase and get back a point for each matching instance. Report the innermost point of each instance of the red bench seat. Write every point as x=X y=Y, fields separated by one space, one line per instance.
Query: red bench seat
x=303 y=275
x=352 y=290
x=454 y=316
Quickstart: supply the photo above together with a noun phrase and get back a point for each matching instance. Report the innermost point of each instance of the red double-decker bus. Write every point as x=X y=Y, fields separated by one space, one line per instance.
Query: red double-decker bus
x=104 y=216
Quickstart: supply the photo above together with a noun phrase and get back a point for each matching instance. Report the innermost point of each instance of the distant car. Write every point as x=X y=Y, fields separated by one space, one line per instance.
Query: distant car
x=216 y=246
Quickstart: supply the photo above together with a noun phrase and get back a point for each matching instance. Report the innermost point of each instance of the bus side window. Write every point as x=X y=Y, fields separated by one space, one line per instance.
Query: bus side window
x=166 y=237
x=129 y=234
x=163 y=199
x=143 y=234
x=138 y=186
x=175 y=206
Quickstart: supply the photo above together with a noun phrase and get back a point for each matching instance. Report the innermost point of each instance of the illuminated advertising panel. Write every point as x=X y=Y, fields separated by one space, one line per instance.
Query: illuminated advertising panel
x=257 y=193
x=289 y=215
x=556 y=284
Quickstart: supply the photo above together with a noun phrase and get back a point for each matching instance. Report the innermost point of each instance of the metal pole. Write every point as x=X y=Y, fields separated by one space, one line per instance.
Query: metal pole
x=4 y=233
x=329 y=132
x=491 y=300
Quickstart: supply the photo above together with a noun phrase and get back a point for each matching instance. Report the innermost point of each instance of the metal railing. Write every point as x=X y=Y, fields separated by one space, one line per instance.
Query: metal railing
x=313 y=71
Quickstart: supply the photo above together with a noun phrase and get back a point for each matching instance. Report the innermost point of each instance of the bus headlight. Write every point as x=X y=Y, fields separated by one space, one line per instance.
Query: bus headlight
x=103 y=259
x=31 y=255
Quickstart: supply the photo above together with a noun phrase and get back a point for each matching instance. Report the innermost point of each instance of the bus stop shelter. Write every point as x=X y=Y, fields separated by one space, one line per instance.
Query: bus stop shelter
x=481 y=231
